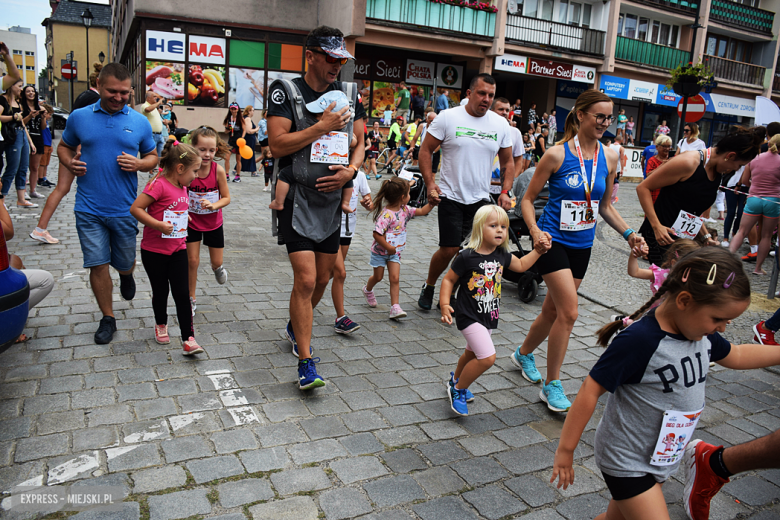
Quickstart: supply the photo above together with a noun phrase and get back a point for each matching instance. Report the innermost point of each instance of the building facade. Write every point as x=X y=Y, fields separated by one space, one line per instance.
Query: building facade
x=24 y=49
x=65 y=33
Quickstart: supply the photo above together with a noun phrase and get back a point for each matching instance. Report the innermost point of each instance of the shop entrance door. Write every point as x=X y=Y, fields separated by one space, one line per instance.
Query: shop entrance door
x=654 y=115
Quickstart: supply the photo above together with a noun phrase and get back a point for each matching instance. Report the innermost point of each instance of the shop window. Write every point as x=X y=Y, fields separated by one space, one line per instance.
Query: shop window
x=247 y=54
x=247 y=87
x=206 y=89
x=285 y=57
x=167 y=80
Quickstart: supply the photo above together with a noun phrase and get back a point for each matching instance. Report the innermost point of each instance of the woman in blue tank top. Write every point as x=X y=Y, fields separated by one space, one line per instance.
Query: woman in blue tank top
x=580 y=172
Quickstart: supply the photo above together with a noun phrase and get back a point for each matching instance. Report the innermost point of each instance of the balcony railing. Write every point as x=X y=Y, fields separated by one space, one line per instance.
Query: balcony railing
x=555 y=35
x=426 y=14
x=742 y=16
x=686 y=6
x=776 y=83
x=649 y=53
x=737 y=71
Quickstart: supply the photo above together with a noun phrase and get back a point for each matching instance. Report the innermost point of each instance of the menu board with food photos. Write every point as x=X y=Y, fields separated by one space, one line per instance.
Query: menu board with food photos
x=383 y=98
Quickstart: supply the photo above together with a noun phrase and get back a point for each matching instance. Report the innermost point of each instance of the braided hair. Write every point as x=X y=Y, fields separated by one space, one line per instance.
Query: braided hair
x=710 y=275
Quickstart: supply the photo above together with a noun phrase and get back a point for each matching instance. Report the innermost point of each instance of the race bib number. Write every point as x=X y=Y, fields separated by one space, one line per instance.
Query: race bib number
x=687 y=225
x=398 y=240
x=576 y=215
x=406 y=175
x=195 y=204
x=674 y=436
x=179 y=221
x=331 y=148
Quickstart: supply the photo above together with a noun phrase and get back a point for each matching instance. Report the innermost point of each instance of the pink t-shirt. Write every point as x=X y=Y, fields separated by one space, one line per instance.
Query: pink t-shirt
x=208 y=187
x=391 y=222
x=765 y=175
x=167 y=198
x=659 y=277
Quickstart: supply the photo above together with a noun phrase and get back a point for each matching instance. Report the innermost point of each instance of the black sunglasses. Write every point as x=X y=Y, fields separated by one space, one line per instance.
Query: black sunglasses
x=686 y=130
x=329 y=58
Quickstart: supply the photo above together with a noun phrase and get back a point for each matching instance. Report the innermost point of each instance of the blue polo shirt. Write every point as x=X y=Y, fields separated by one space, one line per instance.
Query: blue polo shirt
x=106 y=190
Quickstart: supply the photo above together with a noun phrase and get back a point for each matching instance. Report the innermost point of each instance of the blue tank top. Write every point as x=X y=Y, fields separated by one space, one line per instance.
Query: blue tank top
x=566 y=184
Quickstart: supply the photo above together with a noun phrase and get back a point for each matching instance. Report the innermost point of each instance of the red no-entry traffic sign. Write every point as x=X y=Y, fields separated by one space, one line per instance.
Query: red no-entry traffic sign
x=67 y=71
x=696 y=109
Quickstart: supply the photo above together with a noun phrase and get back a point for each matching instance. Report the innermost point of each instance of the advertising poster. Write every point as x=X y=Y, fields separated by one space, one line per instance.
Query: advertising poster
x=247 y=87
x=206 y=86
x=364 y=87
x=383 y=98
x=166 y=79
x=454 y=95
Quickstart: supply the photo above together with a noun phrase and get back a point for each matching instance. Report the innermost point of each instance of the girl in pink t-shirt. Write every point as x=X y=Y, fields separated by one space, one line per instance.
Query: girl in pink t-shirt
x=163 y=210
x=208 y=194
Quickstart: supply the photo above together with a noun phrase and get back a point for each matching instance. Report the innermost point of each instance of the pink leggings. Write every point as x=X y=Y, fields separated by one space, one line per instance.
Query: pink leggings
x=478 y=340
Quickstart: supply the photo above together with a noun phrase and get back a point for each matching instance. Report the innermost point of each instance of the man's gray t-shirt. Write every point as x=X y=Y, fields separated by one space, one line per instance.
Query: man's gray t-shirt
x=648 y=371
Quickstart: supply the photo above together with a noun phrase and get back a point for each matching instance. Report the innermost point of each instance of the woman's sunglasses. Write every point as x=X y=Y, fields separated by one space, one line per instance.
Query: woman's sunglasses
x=329 y=58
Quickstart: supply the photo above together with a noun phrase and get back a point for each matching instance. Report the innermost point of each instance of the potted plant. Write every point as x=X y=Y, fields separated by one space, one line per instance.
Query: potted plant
x=688 y=79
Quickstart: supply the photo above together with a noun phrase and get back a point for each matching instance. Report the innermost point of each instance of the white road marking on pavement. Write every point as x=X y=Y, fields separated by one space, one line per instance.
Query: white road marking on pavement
x=233 y=397
x=153 y=432
x=70 y=469
x=33 y=482
x=180 y=421
x=243 y=415
x=210 y=372
x=113 y=453
x=223 y=381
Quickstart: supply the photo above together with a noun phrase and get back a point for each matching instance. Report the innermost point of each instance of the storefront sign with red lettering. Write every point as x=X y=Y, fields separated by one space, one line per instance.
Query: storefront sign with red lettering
x=420 y=72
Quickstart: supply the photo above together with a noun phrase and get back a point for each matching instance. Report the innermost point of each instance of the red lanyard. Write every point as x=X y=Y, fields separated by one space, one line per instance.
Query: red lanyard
x=588 y=188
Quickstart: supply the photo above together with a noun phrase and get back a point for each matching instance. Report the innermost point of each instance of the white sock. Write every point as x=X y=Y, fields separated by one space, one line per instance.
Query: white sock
x=341 y=317
x=754 y=249
x=39 y=230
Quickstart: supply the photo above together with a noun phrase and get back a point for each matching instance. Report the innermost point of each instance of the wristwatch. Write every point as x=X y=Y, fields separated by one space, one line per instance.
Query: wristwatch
x=509 y=193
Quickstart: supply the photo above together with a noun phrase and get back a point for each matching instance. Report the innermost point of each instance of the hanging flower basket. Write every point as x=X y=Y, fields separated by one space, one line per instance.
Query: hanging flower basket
x=688 y=80
x=477 y=6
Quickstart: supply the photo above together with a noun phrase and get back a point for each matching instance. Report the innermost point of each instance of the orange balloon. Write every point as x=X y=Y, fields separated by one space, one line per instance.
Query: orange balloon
x=241 y=142
x=246 y=152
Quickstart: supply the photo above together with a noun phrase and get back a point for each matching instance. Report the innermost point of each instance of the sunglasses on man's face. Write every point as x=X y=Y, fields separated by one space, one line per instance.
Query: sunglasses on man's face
x=329 y=58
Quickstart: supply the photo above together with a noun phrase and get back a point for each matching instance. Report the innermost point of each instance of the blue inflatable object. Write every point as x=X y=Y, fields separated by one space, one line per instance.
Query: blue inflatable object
x=14 y=299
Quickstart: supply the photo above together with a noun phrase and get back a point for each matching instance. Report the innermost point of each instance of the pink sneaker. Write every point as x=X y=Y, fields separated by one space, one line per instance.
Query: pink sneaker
x=43 y=236
x=396 y=312
x=161 y=334
x=370 y=298
x=191 y=347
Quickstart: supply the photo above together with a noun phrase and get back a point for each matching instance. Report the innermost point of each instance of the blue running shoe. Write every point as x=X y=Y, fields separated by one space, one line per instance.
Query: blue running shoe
x=453 y=381
x=307 y=374
x=291 y=338
x=344 y=325
x=458 y=400
x=527 y=366
x=552 y=394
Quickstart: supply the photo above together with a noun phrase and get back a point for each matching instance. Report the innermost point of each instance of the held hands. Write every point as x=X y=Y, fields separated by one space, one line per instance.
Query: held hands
x=128 y=163
x=366 y=202
x=446 y=314
x=166 y=228
x=542 y=242
x=77 y=167
x=332 y=121
x=562 y=468
x=639 y=251
x=434 y=195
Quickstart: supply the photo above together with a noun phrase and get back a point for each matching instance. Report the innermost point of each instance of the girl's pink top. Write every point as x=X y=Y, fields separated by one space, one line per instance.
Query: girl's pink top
x=659 y=277
x=630 y=125
x=765 y=175
x=166 y=197
x=208 y=221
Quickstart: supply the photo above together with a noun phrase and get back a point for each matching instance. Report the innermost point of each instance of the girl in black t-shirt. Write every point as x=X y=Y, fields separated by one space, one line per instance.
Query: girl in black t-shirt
x=478 y=271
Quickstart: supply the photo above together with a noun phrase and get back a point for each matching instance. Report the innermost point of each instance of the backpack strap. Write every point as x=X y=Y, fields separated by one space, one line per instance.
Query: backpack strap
x=350 y=89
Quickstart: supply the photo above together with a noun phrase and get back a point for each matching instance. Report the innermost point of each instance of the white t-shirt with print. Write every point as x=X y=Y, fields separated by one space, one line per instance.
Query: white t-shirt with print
x=360 y=189
x=469 y=144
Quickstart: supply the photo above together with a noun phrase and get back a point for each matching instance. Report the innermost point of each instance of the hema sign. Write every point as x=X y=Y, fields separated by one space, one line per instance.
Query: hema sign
x=170 y=46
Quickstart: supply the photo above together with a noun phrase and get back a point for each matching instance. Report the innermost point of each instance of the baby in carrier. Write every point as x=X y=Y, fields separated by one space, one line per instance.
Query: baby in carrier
x=287 y=178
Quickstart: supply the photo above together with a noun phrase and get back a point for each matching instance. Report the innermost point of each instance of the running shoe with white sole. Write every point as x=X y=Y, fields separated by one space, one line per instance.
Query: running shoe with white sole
x=221 y=274
x=43 y=236
x=701 y=483
x=552 y=394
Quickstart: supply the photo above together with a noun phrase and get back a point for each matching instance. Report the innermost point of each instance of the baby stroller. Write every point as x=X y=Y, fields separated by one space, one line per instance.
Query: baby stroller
x=527 y=282
x=418 y=195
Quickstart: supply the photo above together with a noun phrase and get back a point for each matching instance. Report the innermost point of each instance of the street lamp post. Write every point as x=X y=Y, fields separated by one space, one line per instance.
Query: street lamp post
x=87 y=17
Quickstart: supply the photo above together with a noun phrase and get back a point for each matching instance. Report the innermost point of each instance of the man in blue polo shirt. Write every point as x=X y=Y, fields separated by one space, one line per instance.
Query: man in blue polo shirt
x=111 y=136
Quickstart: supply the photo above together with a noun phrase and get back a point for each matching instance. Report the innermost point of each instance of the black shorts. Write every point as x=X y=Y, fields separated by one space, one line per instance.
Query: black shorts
x=213 y=238
x=623 y=488
x=345 y=241
x=560 y=257
x=295 y=242
x=371 y=154
x=456 y=221
x=264 y=142
x=391 y=144
x=416 y=153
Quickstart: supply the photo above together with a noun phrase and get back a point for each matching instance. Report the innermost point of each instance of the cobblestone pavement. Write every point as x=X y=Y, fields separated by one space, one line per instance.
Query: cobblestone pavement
x=228 y=434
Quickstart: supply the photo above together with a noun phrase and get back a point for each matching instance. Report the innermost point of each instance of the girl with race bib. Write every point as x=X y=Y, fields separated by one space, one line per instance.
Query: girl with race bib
x=689 y=186
x=390 y=240
x=655 y=371
x=580 y=172
x=208 y=194
x=162 y=208
x=477 y=271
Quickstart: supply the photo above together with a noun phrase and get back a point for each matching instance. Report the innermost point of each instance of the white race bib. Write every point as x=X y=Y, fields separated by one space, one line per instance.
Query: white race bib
x=331 y=148
x=576 y=216
x=179 y=221
x=687 y=225
x=398 y=240
x=195 y=198
x=674 y=436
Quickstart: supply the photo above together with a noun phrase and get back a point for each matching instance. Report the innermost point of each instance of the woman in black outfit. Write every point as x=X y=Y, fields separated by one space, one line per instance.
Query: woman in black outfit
x=689 y=184
x=250 y=135
x=234 y=128
x=31 y=109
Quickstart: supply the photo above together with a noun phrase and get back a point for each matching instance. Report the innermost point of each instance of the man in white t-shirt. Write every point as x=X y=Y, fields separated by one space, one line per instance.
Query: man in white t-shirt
x=502 y=107
x=470 y=137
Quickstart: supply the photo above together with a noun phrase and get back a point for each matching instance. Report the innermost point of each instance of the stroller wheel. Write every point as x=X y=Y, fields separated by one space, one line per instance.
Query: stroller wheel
x=527 y=288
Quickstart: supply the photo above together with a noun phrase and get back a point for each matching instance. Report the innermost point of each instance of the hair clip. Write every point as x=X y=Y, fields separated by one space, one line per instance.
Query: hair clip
x=729 y=281
x=713 y=273
x=685 y=275
x=183 y=155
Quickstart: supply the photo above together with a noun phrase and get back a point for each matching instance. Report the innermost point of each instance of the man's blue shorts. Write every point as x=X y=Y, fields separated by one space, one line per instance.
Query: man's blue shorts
x=107 y=240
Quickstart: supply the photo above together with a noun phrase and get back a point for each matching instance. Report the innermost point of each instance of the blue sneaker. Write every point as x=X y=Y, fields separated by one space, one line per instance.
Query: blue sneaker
x=307 y=374
x=291 y=338
x=451 y=384
x=552 y=394
x=344 y=325
x=527 y=366
x=458 y=400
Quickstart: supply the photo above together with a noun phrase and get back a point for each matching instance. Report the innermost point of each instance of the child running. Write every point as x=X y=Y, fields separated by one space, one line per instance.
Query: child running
x=267 y=159
x=656 y=371
x=390 y=239
x=208 y=194
x=163 y=210
x=477 y=271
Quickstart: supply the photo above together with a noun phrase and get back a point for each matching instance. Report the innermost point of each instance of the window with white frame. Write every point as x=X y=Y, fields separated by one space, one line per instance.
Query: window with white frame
x=18 y=52
x=542 y=9
x=574 y=13
x=647 y=30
